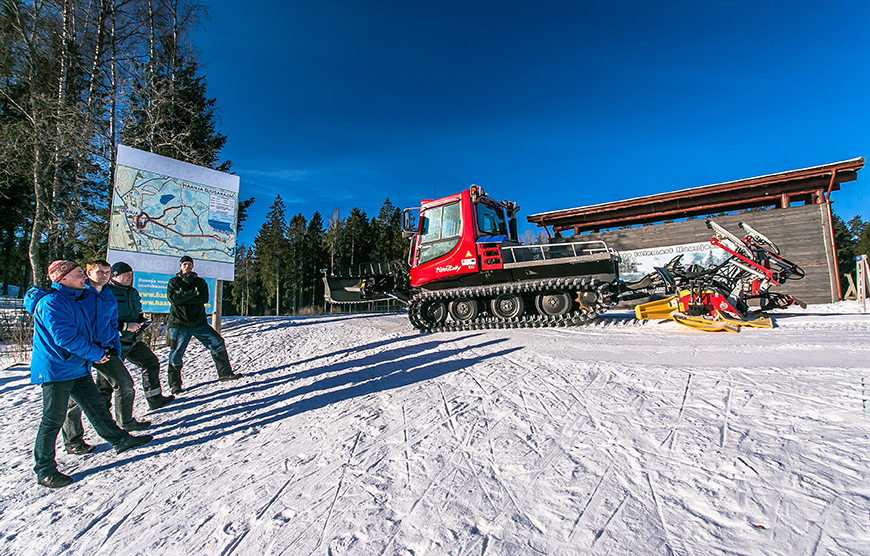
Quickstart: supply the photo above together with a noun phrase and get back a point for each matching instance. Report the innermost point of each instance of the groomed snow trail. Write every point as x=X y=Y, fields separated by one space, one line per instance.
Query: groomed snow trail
x=356 y=435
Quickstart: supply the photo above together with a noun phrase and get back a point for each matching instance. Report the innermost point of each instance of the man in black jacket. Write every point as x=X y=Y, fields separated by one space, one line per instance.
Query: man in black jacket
x=131 y=322
x=188 y=294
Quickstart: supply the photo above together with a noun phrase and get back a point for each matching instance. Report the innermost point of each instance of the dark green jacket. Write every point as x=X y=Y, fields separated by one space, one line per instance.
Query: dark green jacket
x=129 y=309
x=187 y=294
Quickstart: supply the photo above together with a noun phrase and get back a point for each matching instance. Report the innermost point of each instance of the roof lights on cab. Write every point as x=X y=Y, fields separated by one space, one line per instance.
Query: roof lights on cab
x=476 y=192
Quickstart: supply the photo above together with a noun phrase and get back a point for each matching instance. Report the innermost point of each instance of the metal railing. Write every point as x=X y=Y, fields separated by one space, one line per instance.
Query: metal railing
x=16 y=329
x=526 y=253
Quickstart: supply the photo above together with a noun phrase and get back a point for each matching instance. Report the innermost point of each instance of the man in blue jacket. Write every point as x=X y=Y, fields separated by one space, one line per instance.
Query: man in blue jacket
x=100 y=303
x=63 y=349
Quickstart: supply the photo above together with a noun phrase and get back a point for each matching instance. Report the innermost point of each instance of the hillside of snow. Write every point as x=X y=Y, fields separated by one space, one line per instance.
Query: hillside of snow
x=356 y=435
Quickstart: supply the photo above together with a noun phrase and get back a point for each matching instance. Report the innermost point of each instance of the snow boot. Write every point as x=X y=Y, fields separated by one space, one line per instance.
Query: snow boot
x=79 y=449
x=173 y=375
x=56 y=480
x=158 y=401
x=222 y=364
x=135 y=425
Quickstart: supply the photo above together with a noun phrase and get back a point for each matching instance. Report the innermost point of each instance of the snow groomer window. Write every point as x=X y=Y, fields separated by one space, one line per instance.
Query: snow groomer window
x=441 y=231
x=490 y=222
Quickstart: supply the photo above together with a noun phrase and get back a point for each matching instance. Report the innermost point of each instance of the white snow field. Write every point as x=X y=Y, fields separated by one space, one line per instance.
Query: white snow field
x=356 y=435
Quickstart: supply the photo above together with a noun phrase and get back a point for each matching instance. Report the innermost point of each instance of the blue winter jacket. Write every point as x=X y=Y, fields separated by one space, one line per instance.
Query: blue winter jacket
x=103 y=307
x=63 y=337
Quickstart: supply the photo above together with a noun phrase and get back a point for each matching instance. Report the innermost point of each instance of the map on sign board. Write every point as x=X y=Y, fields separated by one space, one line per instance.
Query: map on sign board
x=163 y=209
x=162 y=215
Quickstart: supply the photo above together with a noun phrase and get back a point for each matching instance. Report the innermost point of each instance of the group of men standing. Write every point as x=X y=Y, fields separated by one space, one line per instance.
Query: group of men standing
x=95 y=317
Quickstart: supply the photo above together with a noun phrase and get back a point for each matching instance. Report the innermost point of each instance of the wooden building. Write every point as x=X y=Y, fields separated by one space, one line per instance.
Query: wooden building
x=798 y=219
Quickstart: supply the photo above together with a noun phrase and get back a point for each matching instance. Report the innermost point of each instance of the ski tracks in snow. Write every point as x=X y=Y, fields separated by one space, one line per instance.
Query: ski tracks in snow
x=356 y=435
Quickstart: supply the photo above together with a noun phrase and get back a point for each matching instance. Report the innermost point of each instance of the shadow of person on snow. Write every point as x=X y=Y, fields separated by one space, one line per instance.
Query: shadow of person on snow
x=249 y=386
x=239 y=326
x=384 y=375
x=403 y=356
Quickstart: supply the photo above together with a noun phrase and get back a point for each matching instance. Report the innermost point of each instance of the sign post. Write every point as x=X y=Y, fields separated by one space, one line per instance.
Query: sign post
x=218 y=306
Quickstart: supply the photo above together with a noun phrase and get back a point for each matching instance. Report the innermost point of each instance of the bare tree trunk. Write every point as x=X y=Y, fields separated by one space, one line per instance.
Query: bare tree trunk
x=37 y=264
x=113 y=109
x=152 y=84
x=54 y=228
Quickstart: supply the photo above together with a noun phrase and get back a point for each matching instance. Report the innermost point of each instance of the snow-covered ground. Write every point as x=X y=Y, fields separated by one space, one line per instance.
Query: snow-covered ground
x=356 y=435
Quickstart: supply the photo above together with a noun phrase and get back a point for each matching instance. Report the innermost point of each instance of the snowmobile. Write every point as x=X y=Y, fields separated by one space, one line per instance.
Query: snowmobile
x=719 y=298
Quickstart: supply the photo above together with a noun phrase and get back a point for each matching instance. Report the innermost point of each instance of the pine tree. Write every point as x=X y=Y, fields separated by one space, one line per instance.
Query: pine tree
x=317 y=259
x=862 y=247
x=354 y=244
x=270 y=252
x=388 y=243
x=844 y=243
x=297 y=254
x=242 y=286
x=333 y=234
x=176 y=119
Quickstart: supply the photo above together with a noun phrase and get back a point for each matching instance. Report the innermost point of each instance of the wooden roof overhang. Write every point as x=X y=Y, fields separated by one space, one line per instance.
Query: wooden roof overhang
x=809 y=185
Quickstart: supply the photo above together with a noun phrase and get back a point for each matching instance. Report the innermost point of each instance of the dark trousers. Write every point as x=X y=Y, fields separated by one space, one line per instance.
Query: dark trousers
x=178 y=340
x=114 y=373
x=140 y=355
x=55 y=399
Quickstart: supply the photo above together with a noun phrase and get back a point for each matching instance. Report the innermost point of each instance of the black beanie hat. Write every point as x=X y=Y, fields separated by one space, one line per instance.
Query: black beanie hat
x=120 y=268
x=185 y=259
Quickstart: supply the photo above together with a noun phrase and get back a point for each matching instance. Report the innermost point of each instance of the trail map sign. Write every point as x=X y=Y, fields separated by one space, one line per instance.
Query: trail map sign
x=163 y=209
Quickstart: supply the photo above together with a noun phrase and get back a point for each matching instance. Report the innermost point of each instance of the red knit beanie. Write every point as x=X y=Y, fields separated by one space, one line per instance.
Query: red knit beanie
x=58 y=269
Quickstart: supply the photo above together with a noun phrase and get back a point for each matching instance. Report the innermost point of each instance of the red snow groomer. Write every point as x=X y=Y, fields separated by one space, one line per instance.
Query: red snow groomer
x=718 y=298
x=467 y=270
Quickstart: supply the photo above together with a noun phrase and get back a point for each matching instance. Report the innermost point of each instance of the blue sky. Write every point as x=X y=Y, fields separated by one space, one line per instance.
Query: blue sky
x=551 y=104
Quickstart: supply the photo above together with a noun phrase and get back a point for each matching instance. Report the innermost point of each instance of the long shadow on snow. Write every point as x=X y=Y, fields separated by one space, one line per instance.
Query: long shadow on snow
x=355 y=349
x=285 y=322
x=373 y=361
x=249 y=386
x=385 y=376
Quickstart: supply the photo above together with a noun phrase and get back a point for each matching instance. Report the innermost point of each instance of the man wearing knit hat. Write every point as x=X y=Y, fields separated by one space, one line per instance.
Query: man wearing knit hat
x=63 y=350
x=112 y=375
x=131 y=322
x=188 y=294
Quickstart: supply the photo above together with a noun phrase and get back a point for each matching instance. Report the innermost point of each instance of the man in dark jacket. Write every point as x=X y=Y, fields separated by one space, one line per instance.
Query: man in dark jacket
x=99 y=302
x=130 y=325
x=63 y=350
x=188 y=294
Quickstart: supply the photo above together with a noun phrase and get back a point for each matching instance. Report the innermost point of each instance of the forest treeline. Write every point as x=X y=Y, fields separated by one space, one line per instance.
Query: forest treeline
x=78 y=78
x=282 y=271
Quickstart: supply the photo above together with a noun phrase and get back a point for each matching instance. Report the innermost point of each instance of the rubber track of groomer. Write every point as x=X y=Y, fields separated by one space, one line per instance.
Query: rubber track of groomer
x=571 y=286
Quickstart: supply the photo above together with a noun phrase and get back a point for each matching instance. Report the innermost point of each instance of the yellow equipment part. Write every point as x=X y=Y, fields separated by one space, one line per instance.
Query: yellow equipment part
x=660 y=309
x=703 y=323
x=760 y=322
